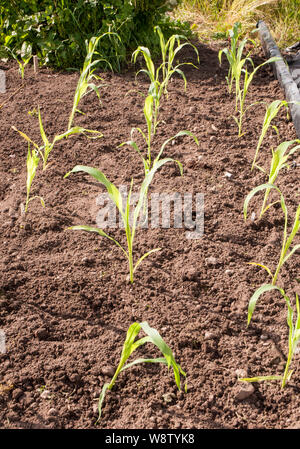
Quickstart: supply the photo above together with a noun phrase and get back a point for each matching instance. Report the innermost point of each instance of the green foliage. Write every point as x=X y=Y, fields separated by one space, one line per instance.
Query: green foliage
x=279 y=161
x=160 y=76
x=45 y=149
x=24 y=57
x=233 y=53
x=57 y=30
x=87 y=75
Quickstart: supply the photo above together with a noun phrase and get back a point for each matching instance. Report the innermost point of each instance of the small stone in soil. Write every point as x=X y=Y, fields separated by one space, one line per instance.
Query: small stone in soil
x=41 y=333
x=240 y=372
x=245 y=390
x=168 y=397
x=46 y=394
x=17 y=393
x=108 y=370
x=211 y=261
x=52 y=412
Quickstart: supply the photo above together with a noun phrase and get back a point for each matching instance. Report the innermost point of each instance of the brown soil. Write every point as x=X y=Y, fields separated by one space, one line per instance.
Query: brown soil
x=65 y=302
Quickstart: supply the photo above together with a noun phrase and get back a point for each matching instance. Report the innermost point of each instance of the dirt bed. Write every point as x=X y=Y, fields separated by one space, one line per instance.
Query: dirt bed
x=65 y=302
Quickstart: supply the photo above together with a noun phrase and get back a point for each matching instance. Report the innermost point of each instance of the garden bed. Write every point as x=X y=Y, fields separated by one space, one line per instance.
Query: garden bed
x=65 y=303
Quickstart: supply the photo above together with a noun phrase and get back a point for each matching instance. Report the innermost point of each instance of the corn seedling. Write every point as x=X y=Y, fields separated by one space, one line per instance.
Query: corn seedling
x=287 y=241
x=130 y=223
x=87 y=75
x=279 y=161
x=294 y=332
x=271 y=112
x=32 y=164
x=233 y=54
x=237 y=67
x=131 y=344
x=243 y=87
x=160 y=76
x=45 y=149
x=26 y=55
x=147 y=161
x=235 y=58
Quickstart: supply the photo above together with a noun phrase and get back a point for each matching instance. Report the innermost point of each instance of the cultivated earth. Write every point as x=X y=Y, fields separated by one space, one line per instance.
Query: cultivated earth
x=65 y=302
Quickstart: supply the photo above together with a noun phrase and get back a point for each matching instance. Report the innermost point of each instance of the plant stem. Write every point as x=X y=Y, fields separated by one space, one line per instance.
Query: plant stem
x=289 y=359
x=130 y=259
x=264 y=203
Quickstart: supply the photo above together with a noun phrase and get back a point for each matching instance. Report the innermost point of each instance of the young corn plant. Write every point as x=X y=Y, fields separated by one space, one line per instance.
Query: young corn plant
x=45 y=149
x=160 y=76
x=32 y=165
x=147 y=160
x=294 y=332
x=271 y=112
x=130 y=220
x=131 y=344
x=25 y=54
x=238 y=72
x=286 y=250
x=85 y=84
x=242 y=87
x=147 y=137
x=279 y=161
x=234 y=53
x=235 y=58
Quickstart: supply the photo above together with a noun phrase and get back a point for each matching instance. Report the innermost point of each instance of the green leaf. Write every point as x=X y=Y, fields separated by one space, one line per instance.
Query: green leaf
x=260 y=378
x=255 y=297
x=144 y=256
x=112 y=190
x=258 y=189
x=101 y=399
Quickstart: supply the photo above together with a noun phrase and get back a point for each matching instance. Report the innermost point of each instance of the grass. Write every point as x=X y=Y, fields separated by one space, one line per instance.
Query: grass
x=211 y=19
